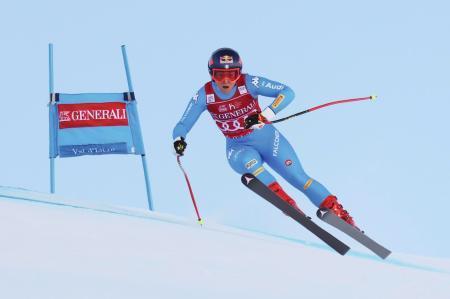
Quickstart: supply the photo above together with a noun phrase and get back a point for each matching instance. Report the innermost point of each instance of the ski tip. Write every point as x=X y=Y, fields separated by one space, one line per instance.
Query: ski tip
x=344 y=251
x=385 y=254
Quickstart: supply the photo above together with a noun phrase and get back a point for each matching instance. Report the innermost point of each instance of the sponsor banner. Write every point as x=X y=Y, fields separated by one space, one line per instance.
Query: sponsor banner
x=251 y=163
x=242 y=89
x=195 y=98
x=255 y=81
x=273 y=85
x=223 y=108
x=210 y=98
x=93 y=149
x=232 y=110
x=308 y=184
x=278 y=101
x=276 y=144
x=92 y=115
x=226 y=59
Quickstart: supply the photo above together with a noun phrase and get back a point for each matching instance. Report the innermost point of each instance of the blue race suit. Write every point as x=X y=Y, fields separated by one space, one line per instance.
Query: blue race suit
x=247 y=150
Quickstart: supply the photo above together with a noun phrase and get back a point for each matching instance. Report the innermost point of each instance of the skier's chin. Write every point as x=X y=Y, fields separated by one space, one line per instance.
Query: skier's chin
x=226 y=87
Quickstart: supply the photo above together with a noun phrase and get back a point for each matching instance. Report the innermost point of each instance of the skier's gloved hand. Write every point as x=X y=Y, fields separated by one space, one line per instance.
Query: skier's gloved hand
x=180 y=145
x=258 y=120
x=254 y=121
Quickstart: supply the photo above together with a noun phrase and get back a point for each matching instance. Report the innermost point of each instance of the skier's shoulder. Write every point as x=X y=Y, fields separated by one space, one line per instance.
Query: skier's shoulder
x=260 y=83
x=264 y=82
x=200 y=96
x=252 y=82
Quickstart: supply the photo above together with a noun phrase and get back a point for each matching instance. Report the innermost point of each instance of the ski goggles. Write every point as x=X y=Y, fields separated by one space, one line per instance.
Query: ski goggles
x=220 y=75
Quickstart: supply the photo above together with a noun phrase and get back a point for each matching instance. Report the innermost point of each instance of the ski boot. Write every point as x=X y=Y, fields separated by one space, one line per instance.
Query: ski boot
x=332 y=204
x=276 y=188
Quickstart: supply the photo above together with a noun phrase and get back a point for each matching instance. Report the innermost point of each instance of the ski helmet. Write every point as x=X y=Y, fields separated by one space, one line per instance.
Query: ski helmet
x=224 y=58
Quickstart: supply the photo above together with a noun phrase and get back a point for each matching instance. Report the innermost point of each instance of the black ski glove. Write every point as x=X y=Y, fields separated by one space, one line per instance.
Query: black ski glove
x=253 y=120
x=180 y=145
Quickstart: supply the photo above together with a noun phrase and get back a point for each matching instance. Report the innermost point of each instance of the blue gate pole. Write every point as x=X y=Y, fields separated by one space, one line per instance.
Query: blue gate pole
x=52 y=95
x=144 y=161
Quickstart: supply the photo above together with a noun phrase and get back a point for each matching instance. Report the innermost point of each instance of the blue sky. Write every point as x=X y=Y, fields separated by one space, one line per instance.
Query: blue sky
x=387 y=160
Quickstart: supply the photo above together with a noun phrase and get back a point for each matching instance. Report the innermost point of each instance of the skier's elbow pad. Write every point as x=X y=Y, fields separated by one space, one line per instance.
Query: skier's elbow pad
x=289 y=93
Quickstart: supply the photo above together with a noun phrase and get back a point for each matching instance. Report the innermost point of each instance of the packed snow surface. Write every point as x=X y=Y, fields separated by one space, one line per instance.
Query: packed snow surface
x=52 y=247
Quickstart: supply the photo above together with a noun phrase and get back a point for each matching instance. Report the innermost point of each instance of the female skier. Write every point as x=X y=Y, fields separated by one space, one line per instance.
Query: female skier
x=231 y=97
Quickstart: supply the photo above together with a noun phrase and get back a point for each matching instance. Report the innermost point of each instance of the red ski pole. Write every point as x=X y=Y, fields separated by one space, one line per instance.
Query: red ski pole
x=199 y=219
x=324 y=105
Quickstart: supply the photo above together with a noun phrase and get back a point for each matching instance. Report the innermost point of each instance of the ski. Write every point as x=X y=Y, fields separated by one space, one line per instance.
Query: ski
x=329 y=217
x=262 y=190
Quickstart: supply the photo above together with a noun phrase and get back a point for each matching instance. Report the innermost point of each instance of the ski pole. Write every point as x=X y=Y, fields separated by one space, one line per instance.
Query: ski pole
x=324 y=105
x=199 y=219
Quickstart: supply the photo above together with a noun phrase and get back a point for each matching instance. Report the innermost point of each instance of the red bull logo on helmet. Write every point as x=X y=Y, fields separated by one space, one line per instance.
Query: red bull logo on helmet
x=225 y=59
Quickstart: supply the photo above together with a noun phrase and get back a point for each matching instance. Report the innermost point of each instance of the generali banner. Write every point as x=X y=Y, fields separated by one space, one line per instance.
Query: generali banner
x=92 y=115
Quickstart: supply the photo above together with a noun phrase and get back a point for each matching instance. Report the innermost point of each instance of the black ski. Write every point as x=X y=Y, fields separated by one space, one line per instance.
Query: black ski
x=259 y=188
x=333 y=220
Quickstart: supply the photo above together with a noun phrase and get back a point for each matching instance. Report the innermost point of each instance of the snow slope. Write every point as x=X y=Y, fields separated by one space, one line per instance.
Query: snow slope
x=57 y=248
